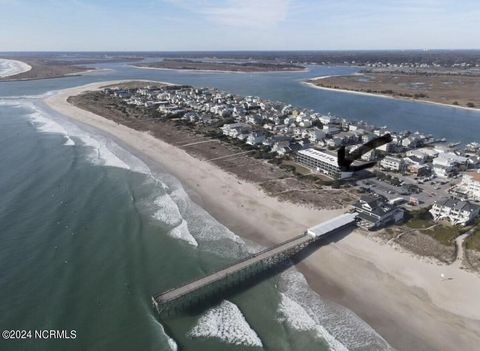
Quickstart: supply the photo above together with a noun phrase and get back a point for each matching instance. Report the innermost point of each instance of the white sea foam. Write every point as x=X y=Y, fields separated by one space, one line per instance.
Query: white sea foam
x=99 y=147
x=105 y=152
x=27 y=98
x=167 y=212
x=227 y=323
x=171 y=343
x=338 y=322
x=102 y=151
x=209 y=229
x=12 y=67
x=297 y=317
x=181 y=232
x=172 y=206
x=47 y=125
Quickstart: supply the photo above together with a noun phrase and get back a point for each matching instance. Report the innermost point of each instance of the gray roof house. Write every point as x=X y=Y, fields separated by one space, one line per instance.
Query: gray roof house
x=455 y=211
x=374 y=211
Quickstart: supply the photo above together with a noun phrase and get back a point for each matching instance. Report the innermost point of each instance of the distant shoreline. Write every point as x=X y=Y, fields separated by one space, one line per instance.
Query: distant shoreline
x=313 y=85
x=305 y=69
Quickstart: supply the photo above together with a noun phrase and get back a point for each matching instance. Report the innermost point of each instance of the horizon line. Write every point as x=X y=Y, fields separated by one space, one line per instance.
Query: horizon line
x=241 y=50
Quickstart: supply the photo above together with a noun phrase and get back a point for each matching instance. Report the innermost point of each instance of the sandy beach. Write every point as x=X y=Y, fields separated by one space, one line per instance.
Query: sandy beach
x=312 y=85
x=401 y=296
x=12 y=67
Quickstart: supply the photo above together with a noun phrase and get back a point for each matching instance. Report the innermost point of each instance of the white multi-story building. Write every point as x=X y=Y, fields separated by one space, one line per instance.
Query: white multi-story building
x=321 y=162
x=471 y=185
x=455 y=211
x=448 y=164
x=393 y=164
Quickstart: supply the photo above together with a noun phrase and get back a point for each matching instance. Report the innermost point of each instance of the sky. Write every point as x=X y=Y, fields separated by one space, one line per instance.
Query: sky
x=202 y=25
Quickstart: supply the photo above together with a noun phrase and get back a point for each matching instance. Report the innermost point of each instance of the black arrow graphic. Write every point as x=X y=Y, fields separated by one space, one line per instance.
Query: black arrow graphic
x=345 y=160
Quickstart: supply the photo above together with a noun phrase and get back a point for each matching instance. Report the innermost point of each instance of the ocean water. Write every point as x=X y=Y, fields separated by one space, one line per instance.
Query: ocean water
x=89 y=232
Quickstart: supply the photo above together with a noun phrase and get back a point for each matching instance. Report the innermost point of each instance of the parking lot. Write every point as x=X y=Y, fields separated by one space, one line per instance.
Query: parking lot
x=431 y=191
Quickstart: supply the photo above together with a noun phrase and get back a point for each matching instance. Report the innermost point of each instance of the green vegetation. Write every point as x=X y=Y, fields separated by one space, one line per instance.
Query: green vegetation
x=297 y=168
x=263 y=154
x=419 y=219
x=470 y=104
x=473 y=241
x=444 y=233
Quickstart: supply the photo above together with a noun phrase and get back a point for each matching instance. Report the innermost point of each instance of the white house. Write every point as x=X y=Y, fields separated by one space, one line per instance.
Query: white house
x=471 y=185
x=393 y=164
x=326 y=120
x=321 y=162
x=455 y=211
x=448 y=164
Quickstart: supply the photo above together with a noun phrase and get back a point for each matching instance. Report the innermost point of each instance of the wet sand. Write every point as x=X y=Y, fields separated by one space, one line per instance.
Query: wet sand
x=401 y=296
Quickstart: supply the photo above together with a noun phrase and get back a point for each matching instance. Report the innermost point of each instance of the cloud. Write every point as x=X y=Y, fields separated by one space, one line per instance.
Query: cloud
x=239 y=13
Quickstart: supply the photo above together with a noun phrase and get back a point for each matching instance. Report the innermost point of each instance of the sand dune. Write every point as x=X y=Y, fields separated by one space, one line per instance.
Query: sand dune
x=403 y=297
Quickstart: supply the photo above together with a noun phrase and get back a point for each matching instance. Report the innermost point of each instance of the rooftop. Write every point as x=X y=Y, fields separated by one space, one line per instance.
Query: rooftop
x=320 y=156
x=332 y=224
x=456 y=204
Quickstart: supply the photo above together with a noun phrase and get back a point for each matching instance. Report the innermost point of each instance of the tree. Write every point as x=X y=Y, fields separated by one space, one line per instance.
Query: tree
x=470 y=104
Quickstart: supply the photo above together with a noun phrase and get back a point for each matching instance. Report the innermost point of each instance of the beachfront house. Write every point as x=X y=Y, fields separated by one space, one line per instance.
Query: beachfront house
x=374 y=212
x=455 y=211
x=470 y=185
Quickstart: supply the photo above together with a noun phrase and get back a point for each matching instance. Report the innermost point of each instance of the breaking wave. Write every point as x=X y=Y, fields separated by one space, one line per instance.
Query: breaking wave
x=100 y=149
x=297 y=318
x=174 y=208
x=47 y=125
x=227 y=323
x=169 y=214
x=301 y=307
x=181 y=232
x=171 y=343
